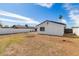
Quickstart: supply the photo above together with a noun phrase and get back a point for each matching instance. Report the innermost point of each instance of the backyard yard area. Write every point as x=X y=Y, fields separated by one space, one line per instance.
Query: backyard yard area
x=33 y=44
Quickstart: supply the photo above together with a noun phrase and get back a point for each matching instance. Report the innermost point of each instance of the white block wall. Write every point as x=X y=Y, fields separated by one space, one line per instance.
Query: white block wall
x=11 y=30
x=76 y=31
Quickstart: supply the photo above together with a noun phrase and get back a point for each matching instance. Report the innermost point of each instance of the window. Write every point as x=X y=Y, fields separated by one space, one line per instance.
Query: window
x=42 y=28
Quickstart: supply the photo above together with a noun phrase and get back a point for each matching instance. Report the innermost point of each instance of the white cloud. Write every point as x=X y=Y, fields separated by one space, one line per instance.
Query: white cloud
x=67 y=6
x=18 y=17
x=7 y=20
x=63 y=21
x=73 y=13
x=75 y=18
x=48 y=5
x=10 y=22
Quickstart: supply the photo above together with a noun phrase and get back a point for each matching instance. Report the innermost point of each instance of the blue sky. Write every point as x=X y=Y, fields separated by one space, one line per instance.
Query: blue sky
x=32 y=14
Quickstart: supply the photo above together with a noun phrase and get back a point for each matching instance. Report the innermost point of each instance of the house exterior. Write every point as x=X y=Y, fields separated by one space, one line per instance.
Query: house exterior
x=32 y=29
x=75 y=30
x=18 y=27
x=51 y=28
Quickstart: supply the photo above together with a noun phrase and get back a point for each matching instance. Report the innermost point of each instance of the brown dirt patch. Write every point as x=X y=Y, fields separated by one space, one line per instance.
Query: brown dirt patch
x=42 y=45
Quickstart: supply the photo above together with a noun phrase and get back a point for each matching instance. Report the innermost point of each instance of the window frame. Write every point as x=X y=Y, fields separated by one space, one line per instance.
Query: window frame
x=42 y=28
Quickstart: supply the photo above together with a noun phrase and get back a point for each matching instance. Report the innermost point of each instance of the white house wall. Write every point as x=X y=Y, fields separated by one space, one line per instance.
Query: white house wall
x=76 y=31
x=51 y=29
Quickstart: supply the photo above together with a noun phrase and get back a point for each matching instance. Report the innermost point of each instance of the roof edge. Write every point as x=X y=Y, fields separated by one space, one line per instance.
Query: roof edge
x=51 y=21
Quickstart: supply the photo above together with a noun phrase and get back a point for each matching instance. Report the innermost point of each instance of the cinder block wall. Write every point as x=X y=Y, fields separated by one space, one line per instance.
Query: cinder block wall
x=11 y=30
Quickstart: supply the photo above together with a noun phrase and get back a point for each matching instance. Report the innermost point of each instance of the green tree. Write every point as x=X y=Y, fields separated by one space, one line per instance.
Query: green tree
x=14 y=26
x=26 y=25
x=1 y=25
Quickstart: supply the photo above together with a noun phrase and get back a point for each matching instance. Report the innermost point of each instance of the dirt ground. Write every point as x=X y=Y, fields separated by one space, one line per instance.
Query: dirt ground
x=33 y=44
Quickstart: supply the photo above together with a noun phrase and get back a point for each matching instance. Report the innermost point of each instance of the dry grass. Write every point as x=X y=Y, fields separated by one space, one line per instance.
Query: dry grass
x=34 y=44
x=7 y=40
x=71 y=36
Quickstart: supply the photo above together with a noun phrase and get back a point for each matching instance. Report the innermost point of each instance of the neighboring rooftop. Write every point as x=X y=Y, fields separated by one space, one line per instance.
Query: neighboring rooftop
x=75 y=27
